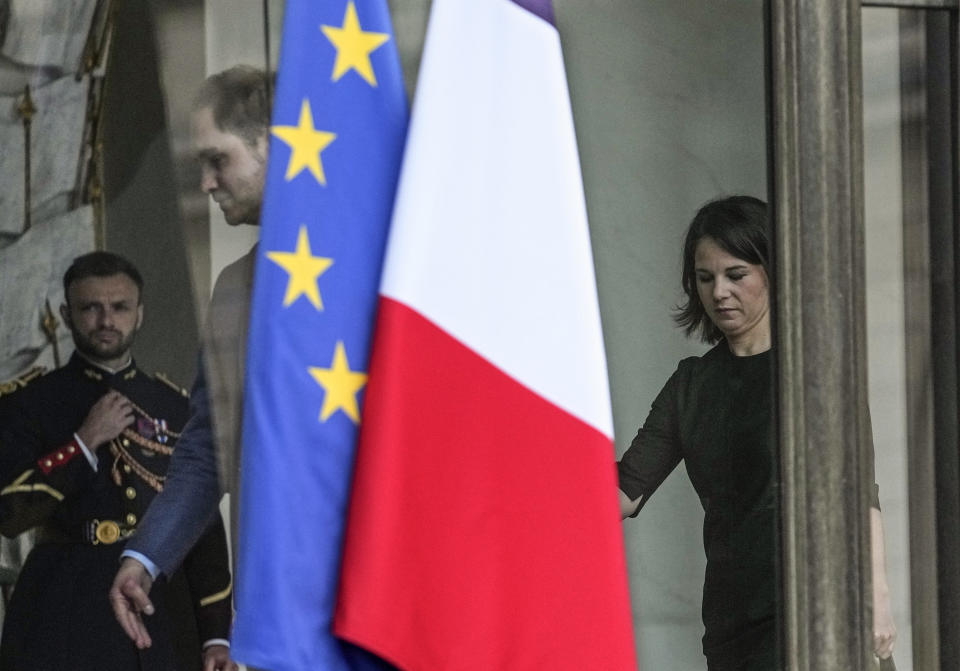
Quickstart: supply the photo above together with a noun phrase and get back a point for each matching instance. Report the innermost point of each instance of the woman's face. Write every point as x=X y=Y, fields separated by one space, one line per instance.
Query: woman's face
x=734 y=293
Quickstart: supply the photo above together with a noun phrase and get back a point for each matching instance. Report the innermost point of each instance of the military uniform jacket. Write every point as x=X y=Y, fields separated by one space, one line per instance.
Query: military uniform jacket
x=208 y=459
x=59 y=616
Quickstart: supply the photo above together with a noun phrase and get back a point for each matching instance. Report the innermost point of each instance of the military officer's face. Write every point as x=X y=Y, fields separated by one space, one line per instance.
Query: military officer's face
x=104 y=314
x=231 y=169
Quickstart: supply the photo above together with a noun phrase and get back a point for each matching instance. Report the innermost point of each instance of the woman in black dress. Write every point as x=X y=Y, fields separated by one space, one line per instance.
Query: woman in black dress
x=715 y=412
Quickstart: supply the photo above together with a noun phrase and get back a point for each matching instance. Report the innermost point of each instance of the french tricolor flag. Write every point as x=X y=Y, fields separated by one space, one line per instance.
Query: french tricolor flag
x=484 y=530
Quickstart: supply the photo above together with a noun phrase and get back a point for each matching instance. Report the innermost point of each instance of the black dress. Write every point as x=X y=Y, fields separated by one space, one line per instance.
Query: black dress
x=59 y=616
x=716 y=414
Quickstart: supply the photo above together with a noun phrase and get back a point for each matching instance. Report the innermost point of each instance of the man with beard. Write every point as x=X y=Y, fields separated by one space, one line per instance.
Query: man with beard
x=85 y=449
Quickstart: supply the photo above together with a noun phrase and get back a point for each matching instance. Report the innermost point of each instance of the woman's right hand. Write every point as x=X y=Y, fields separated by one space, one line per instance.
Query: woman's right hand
x=628 y=507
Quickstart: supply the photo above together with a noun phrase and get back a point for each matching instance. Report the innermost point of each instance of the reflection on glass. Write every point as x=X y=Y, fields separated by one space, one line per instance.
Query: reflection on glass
x=897 y=284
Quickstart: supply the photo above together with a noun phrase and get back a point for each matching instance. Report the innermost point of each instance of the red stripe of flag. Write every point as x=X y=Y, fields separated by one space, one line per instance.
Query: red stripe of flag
x=473 y=540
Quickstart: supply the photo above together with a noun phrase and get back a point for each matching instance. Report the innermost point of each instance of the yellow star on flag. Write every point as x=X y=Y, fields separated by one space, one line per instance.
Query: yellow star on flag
x=306 y=143
x=340 y=385
x=354 y=46
x=304 y=269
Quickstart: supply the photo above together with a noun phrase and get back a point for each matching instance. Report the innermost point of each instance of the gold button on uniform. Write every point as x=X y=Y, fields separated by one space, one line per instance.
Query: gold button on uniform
x=59 y=456
x=131 y=493
x=125 y=442
x=71 y=449
x=48 y=463
x=107 y=532
x=131 y=519
x=126 y=468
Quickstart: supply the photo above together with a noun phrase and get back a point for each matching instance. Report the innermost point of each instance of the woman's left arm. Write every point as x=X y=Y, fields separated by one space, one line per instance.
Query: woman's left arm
x=884 y=631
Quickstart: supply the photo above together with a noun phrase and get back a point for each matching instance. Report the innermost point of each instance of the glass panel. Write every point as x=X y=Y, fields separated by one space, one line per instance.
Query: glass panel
x=195 y=39
x=885 y=301
x=100 y=146
x=910 y=257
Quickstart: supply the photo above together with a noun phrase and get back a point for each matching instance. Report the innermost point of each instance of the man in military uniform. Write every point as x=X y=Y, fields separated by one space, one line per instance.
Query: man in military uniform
x=83 y=451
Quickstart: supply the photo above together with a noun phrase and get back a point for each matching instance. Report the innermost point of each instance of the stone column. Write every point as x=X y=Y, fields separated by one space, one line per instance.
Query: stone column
x=826 y=455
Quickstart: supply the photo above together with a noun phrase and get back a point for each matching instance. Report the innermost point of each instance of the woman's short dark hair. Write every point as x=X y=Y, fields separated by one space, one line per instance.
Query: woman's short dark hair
x=740 y=225
x=100 y=264
x=240 y=100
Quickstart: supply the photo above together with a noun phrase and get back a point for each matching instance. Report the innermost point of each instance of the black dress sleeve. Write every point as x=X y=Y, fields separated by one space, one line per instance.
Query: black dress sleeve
x=208 y=574
x=868 y=436
x=36 y=475
x=656 y=449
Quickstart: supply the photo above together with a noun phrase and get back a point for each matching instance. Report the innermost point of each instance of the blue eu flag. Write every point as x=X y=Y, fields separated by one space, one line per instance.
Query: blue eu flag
x=336 y=141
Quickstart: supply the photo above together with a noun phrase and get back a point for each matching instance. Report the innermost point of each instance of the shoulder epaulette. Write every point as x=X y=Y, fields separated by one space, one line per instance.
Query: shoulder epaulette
x=173 y=385
x=20 y=382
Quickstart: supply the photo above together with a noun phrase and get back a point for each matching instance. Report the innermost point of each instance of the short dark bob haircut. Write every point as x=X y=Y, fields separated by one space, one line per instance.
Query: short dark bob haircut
x=100 y=264
x=740 y=225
